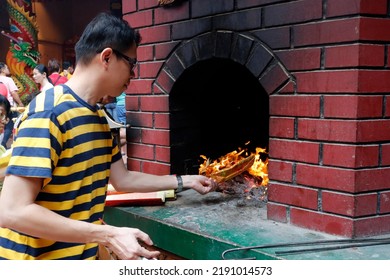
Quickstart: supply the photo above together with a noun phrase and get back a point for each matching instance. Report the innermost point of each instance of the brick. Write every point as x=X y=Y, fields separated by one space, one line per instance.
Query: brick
x=132 y=103
x=274 y=78
x=293 y=105
x=375 y=29
x=294 y=150
x=281 y=127
x=331 y=224
x=140 y=19
x=326 y=32
x=159 y=103
x=384 y=202
x=293 y=12
x=351 y=7
x=146 y=4
x=165 y=81
x=353 y=106
x=163 y=154
x=364 y=131
x=289 y=88
x=150 y=69
x=161 y=120
x=344 y=180
x=385 y=155
x=374 y=81
x=128 y=7
x=157 y=137
x=341 y=81
x=341 y=30
x=163 y=50
x=276 y=212
x=199 y=8
x=133 y=135
x=387 y=109
x=280 y=170
x=301 y=59
x=388 y=57
x=176 y=13
x=372 y=226
x=141 y=119
x=349 y=205
x=242 y=49
x=139 y=86
x=174 y=67
x=252 y=3
x=354 y=56
x=141 y=151
x=372 y=179
x=259 y=60
x=293 y=196
x=326 y=177
x=157 y=90
x=134 y=164
x=328 y=130
x=223 y=41
x=276 y=38
x=350 y=155
x=372 y=130
x=190 y=28
x=241 y=20
x=187 y=54
x=205 y=45
x=156 y=168
x=155 y=34
x=145 y=53
x=379 y=7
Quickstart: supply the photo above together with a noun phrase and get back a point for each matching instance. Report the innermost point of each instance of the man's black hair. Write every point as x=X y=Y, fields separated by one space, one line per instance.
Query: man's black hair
x=105 y=30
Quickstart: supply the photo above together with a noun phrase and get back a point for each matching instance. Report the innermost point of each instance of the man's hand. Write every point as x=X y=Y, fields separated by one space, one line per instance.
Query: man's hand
x=200 y=183
x=124 y=242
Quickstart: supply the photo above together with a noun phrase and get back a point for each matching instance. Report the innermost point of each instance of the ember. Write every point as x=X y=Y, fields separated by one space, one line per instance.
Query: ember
x=239 y=172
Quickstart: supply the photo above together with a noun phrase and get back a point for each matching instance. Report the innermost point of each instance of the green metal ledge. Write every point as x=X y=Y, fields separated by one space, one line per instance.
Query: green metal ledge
x=203 y=227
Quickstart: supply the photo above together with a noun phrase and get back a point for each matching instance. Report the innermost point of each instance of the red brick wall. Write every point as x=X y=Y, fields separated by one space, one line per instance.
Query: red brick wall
x=329 y=137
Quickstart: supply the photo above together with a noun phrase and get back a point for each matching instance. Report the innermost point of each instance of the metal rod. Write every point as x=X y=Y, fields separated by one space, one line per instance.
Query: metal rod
x=312 y=250
x=312 y=243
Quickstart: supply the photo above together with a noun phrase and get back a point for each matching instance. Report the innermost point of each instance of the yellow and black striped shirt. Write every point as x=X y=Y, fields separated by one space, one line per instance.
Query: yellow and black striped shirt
x=68 y=143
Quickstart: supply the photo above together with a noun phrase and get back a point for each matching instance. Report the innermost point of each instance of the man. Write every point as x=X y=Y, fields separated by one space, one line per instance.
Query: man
x=121 y=117
x=54 y=68
x=3 y=90
x=54 y=191
x=67 y=69
x=13 y=98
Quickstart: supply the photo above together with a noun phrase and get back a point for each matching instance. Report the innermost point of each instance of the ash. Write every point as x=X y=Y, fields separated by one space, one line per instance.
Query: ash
x=246 y=188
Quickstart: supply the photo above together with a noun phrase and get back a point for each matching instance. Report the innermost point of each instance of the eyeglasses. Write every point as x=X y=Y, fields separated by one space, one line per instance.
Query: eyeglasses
x=131 y=61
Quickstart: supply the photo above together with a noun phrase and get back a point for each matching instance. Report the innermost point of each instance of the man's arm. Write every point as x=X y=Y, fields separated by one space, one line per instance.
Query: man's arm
x=131 y=181
x=18 y=211
x=16 y=98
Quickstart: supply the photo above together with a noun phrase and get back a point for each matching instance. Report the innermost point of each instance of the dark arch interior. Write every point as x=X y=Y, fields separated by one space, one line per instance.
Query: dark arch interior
x=216 y=106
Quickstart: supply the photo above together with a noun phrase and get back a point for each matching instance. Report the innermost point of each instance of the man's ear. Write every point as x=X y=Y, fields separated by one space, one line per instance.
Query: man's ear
x=105 y=54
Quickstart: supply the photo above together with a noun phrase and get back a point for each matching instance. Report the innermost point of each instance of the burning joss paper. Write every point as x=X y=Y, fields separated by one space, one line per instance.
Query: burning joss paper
x=238 y=172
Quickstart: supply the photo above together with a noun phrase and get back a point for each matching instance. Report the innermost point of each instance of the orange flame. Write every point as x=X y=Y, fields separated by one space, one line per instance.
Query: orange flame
x=259 y=168
x=235 y=163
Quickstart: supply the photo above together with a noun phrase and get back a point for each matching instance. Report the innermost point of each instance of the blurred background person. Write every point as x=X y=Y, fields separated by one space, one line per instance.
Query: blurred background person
x=121 y=117
x=67 y=69
x=41 y=77
x=5 y=114
x=54 y=68
x=13 y=99
x=3 y=90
